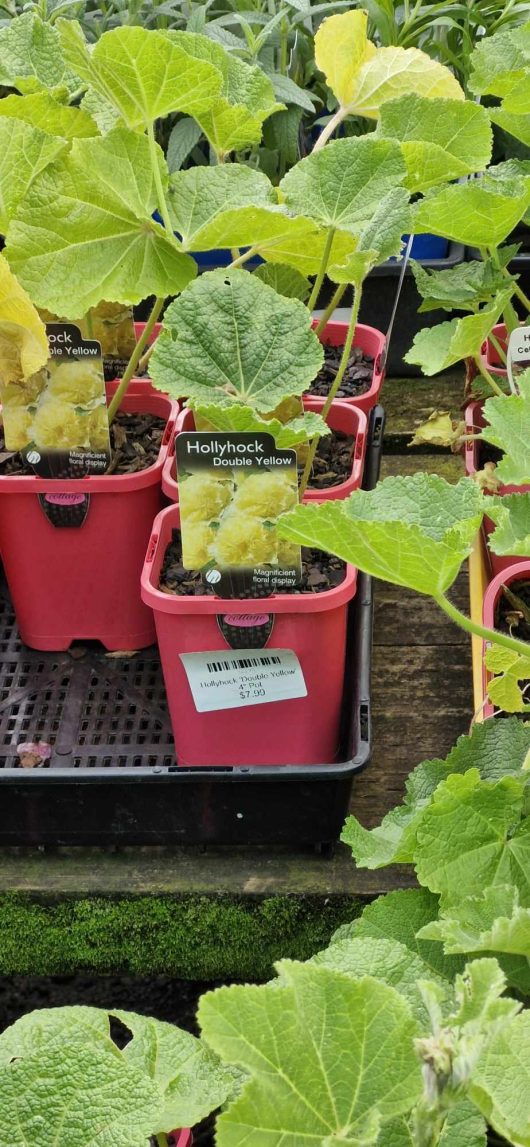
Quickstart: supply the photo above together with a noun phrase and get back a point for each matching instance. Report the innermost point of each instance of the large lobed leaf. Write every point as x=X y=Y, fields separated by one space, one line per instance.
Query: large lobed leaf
x=31 y=58
x=511 y=515
x=25 y=151
x=441 y=139
x=23 y=341
x=499 y=62
x=244 y=419
x=330 y=1057
x=508 y=427
x=436 y=348
x=199 y=196
x=464 y=1127
x=364 y=78
x=85 y=230
x=141 y=73
x=480 y=213
x=230 y=338
x=495 y=921
x=501 y=1081
x=464 y=287
x=413 y=531
x=42 y=111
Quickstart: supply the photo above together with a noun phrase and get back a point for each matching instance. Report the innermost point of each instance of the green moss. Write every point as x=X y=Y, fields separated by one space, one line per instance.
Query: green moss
x=192 y=937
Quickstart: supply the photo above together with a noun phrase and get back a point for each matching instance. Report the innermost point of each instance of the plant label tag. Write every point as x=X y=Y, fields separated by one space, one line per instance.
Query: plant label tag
x=518 y=356
x=233 y=488
x=222 y=680
x=57 y=419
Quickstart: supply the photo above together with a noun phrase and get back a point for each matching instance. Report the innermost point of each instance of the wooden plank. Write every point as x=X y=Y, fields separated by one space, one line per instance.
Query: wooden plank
x=409 y=402
x=449 y=466
x=405 y=618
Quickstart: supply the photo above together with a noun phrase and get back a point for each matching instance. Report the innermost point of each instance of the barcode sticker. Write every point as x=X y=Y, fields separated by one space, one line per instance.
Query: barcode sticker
x=247 y=677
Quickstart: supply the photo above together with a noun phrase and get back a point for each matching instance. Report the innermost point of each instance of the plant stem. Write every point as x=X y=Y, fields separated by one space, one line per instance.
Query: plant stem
x=517 y=290
x=313 y=445
x=322 y=269
x=243 y=258
x=330 y=309
x=495 y=342
x=489 y=377
x=330 y=127
x=162 y=1139
x=135 y=358
x=503 y=639
x=162 y=204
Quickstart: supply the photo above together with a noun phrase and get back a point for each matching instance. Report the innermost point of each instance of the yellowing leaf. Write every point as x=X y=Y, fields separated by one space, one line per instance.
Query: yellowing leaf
x=438 y=430
x=341 y=46
x=23 y=342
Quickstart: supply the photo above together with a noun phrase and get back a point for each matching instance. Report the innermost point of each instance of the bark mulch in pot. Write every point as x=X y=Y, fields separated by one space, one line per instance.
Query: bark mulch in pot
x=135 y=441
x=333 y=461
x=357 y=378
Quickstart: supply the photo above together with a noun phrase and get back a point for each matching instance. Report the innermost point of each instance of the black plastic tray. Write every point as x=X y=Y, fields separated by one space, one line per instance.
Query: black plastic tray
x=112 y=778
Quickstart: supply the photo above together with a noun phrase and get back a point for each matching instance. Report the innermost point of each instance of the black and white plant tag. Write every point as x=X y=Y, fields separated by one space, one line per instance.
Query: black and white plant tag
x=222 y=680
x=518 y=355
x=232 y=490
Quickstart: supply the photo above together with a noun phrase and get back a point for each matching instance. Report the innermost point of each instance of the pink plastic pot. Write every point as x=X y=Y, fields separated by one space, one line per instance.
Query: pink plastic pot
x=475 y=421
x=372 y=342
x=342 y=416
x=516 y=571
x=83 y=583
x=183 y=1138
x=298 y=731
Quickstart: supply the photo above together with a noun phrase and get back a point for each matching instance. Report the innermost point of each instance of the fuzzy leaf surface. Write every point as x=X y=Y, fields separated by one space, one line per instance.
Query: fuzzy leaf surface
x=511 y=669
x=85 y=232
x=143 y=74
x=401 y=916
x=198 y=196
x=511 y=515
x=441 y=139
x=398 y=531
x=508 y=427
x=25 y=151
x=183 y=139
x=501 y=1081
x=464 y=1127
x=285 y=280
x=471 y=835
x=23 y=341
x=341 y=185
x=341 y=46
x=31 y=58
x=318 y=1051
x=480 y=213
x=463 y=287
x=42 y=111
x=243 y=419
x=516 y=125
x=45 y=1029
x=498 y=62
x=380 y=239
x=436 y=348
x=493 y=922
x=192 y=1080
x=230 y=338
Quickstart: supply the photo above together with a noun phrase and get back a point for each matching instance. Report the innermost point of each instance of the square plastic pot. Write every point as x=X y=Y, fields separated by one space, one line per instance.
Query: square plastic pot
x=372 y=342
x=514 y=572
x=70 y=583
x=474 y=419
x=341 y=417
x=299 y=731
x=489 y=353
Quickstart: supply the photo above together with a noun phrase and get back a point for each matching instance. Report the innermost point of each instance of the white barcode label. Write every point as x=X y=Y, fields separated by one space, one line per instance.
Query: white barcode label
x=219 y=680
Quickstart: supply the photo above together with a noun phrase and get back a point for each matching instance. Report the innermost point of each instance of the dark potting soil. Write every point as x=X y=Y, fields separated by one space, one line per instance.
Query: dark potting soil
x=135 y=442
x=357 y=378
x=320 y=572
x=488 y=453
x=510 y=616
x=333 y=461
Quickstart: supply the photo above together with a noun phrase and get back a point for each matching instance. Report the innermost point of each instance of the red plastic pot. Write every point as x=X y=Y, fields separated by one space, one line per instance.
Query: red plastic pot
x=297 y=731
x=342 y=417
x=514 y=572
x=83 y=583
x=490 y=355
x=182 y=1138
x=370 y=341
x=475 y=421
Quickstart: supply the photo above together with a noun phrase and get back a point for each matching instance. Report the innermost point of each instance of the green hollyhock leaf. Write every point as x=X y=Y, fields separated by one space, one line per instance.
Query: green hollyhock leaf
x=516 y=125
x=392 y=842
x=191 y=1078
x=440 y=139
x=342 y=185
x=197 y=197
x=501 y=1081
x=499 y=62
x=183 y=139
x=508 y=427
x=31 y=58
x=496 y=748
x=464 y=1127
x=401 y=916
x=230 y=338
x=492 y=922
x=386 y=960
x=480 y=213
x=471 y=835
x=504 y=690
x=243 y=419
x=42 y=1030
x=24 y=153
x=42 y=111
x=464 y=287
x=330 y=1057
x=285 y=280
x=75 y=1093
x=104 y=114
x=299 y=243
x=380 y=239
x=436 y=348
x=125 y=68
x=413 y=531
x=246 y=98
x=511 y=515
x=85 y=233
